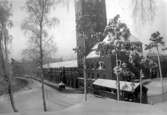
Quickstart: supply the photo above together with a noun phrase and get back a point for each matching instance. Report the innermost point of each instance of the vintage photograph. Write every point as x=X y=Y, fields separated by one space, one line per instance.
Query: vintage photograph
x=83 y=57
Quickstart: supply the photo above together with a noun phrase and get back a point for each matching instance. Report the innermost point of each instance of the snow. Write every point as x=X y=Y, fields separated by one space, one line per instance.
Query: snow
x=111 y=107
x=71 y=63
x=162 y=106
x=29 y=102
x=125 y=86
x=93 y=54
x=155 y=91
x=107 y=40
x=30 y=99
x=103 y=106
x=155 y=87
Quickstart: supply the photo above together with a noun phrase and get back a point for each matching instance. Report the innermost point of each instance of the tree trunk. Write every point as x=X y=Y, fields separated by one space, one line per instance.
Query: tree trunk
x=85 y=84
x=160 y=70
x=11 y=96
x=7 y=75
x=43 y=93
x=41 y=57
x=118 y=85
x=42 y=74
x=84 y=72
x=141 y=74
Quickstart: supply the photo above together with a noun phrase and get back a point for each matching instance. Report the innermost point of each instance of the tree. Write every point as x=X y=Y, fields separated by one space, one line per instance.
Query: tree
x=5 y=23
x=36 y=24
x=119 y=34
x=119 y=43
x=155 y=41
x=82 y=52
x=31 y=53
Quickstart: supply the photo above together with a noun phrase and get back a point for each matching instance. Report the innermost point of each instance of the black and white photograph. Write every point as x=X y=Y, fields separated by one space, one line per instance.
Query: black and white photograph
x=83 y=57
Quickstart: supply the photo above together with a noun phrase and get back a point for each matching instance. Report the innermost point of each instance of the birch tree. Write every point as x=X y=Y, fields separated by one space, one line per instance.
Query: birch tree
x=36 y=25
x=5 y=24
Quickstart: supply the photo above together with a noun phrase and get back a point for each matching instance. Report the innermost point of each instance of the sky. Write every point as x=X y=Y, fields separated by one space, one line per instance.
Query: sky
x=65 y=35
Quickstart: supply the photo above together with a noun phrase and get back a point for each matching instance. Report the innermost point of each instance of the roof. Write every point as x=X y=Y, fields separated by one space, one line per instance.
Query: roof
x=124 y=86
x=67 y=64
x=132 y=38
x=94 y=54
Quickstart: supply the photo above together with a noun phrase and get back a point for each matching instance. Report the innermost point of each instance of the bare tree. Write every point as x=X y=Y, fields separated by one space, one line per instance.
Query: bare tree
x=5 y=23
x=36 y=24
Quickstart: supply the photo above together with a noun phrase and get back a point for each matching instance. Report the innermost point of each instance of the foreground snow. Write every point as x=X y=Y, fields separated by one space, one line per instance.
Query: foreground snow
x=155 y=87
x=155 y=91
x=30 y=99
x=29 y=102
x=108 y=107
x=104 y=107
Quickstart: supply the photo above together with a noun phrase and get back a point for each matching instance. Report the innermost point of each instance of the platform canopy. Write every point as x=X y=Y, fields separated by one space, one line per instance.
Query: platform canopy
x=67 y=64
x=124 y=85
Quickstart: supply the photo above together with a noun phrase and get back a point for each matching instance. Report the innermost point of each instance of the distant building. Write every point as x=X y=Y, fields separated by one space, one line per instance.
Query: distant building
x=102 y=66
x=91 y=21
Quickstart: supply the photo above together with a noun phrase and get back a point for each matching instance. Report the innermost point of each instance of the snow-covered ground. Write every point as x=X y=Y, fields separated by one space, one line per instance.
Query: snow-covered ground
x=155 y=91
x=155 y=94
x=30 y=99
x=154 y=87
x=29 y=102
x=110 y=107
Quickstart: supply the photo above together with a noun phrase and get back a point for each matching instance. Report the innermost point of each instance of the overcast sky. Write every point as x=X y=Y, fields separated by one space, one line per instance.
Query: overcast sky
x=64 y=33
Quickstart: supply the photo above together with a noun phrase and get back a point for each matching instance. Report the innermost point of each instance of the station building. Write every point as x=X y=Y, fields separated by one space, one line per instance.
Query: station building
x=90 y=20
